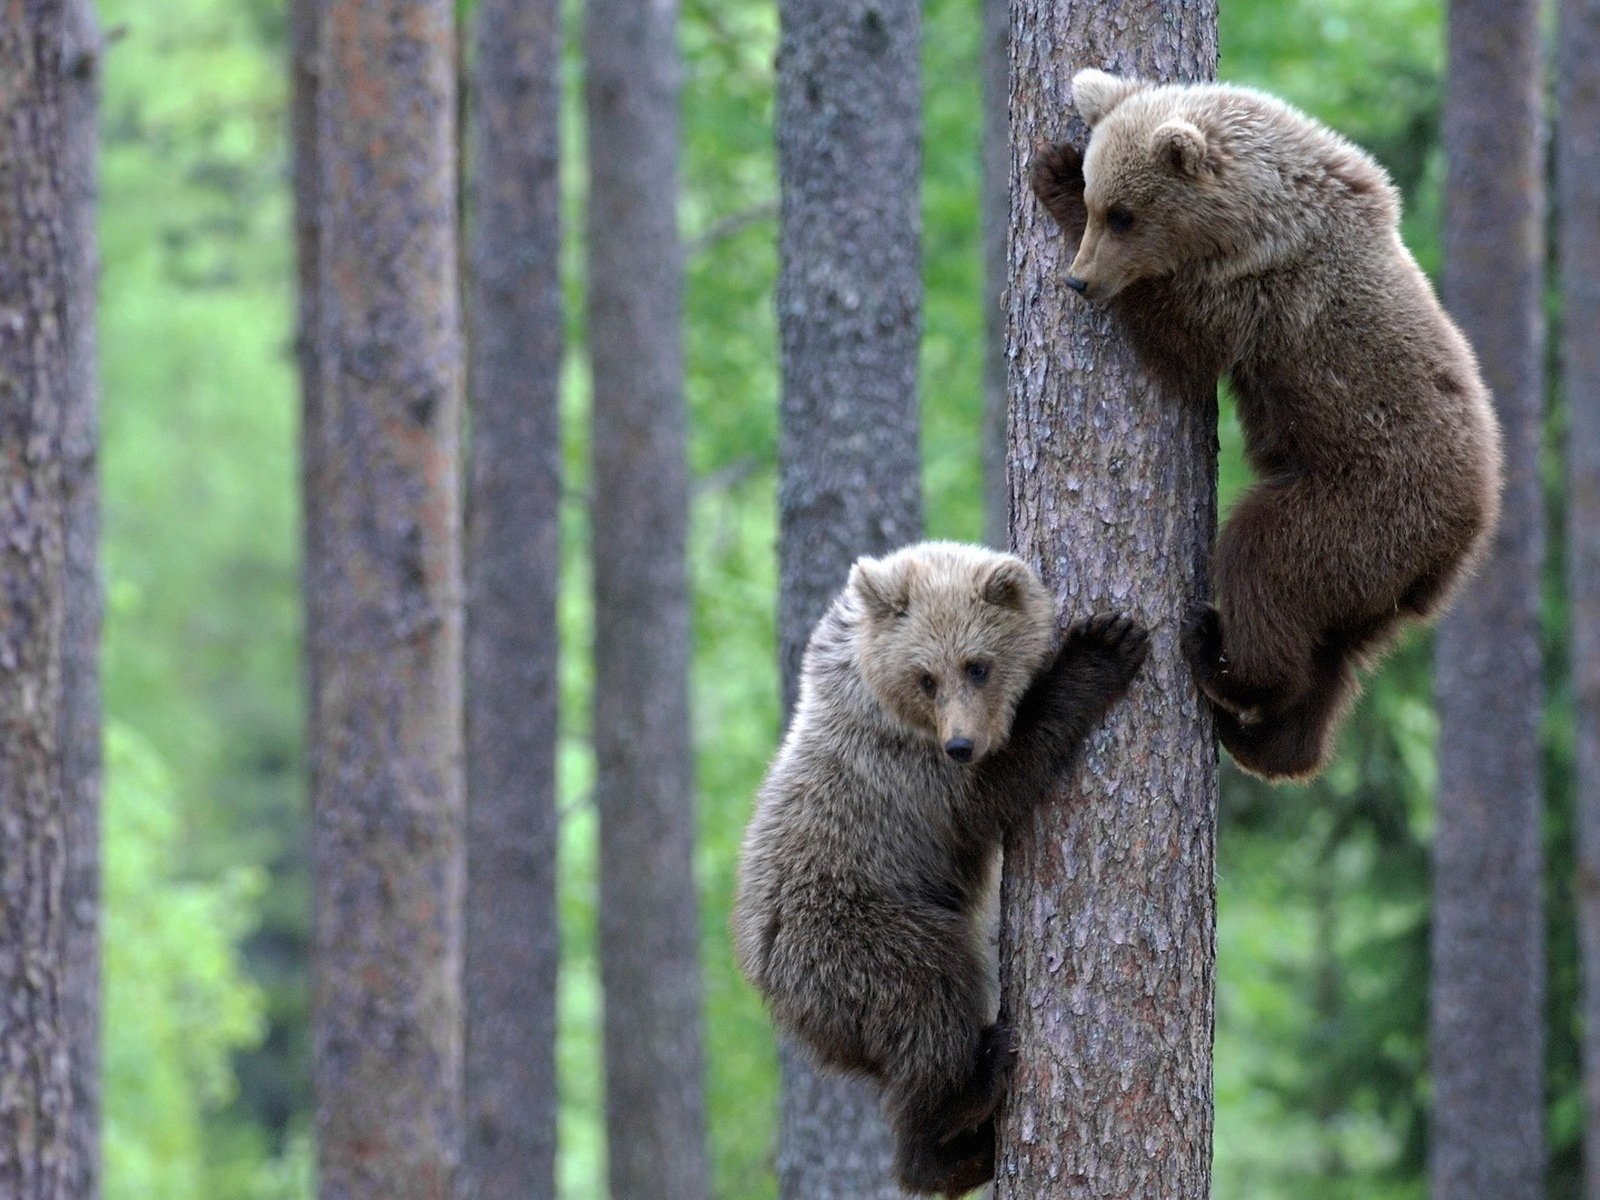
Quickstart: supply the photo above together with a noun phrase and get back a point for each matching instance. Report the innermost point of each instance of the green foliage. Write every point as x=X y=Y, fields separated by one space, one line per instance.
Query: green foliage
x=201 y=671
x=178 y=1001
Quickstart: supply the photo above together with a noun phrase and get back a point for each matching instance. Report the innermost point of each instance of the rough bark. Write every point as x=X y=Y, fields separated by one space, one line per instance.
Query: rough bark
x=644 y=788
x=995 y=208
x=80 y=654
x=1108 y=906
x=512 y=568
x=1578 y=203
x=1487 y=929
x=385 y=589
x=849 y=133
x=37 y=298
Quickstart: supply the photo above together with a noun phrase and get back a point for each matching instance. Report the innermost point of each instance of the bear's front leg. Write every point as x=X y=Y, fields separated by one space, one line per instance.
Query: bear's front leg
x=1057 y=180
x=1098 y=659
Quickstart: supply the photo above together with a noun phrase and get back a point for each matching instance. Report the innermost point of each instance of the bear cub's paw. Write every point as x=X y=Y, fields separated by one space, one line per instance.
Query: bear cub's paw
x=1116 y=641
x=1000 y=1046
x=997 y=1055
x=1200 y=641
x=1057 y=180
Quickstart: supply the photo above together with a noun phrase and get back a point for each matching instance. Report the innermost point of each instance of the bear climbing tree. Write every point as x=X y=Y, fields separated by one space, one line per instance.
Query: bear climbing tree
x=1108 y=934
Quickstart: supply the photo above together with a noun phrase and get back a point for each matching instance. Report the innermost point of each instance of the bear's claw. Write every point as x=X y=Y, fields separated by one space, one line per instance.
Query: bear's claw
x=1201 y=636
x=1115 y=636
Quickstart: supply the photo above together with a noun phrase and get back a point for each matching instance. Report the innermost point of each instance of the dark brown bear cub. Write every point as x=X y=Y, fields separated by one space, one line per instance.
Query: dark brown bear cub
x=1231 y=234
x=936 y=710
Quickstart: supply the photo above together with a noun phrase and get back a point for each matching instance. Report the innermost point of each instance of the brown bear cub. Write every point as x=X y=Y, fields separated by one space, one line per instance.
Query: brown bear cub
x=936 y=709
x=1232 y=235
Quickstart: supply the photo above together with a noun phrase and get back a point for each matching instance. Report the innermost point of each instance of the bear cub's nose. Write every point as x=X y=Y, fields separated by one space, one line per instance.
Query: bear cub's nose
x=1076 y=284
x=959 y=749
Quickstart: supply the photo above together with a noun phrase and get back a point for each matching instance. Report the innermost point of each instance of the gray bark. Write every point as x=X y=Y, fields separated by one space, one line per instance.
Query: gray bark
x=833 y=1140
x=38 y=294
x=644 y=788
x=995 y=206
x=849 y=299
x=1578 y=201
x=80 y=635
x=1488 y=929
x=512 y=569
x=1108 y=906
x=385 y=602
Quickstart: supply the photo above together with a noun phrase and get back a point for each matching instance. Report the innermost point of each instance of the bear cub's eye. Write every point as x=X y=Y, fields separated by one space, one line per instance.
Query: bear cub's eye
x=1119 y=219
x=978 y=673
x=930 y=685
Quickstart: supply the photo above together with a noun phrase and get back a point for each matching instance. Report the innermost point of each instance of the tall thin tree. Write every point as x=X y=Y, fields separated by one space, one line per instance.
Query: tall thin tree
x=1578 y=207
x=849 y=131
x=995 y=211
x=384 y=581
x=80 y=634
x=1108 y=923
x=38 y=292
x=649 y=925
x=1487 y=929
x=512 y=569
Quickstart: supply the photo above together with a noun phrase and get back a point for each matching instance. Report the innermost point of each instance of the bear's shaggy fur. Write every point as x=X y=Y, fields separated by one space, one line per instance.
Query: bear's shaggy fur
x=1231 y=234
x=935 y=711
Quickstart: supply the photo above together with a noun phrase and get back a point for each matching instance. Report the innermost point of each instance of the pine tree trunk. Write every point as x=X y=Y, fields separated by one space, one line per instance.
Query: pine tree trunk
x=1488 y=928
x=384 y=579
x=38 y=294
x=512 y=568
x=995 y=208
x=1578 y=199
x=1108 y=907
x=849 y=134
x=80 y=633
x=644 y=788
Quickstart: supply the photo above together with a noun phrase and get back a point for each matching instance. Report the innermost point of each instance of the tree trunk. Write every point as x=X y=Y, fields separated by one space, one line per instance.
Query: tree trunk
x=644 y=787
x=849 y=132
x=1488 y=927
x=385 y=603
x=80 y=633
x=996 y=214
x=1108 y=906
x=512 y=568
x=1578 y=199
x=38 y=294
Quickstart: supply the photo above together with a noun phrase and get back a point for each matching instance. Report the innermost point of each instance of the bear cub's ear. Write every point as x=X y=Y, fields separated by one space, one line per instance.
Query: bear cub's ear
x=883 y=586
x=1179 y=146
x=1095 y=93
x=1007 y=584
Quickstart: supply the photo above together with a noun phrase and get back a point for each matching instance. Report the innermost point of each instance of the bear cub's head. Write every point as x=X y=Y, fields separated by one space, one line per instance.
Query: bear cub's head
x=1152 y=191
x=950 y=638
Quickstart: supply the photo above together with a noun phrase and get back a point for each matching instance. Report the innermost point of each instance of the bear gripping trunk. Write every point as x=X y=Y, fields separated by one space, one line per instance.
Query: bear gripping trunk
x=1108 y=926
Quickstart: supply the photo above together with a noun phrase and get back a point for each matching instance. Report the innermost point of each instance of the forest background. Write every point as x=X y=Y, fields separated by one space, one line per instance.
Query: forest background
x=1323 y=891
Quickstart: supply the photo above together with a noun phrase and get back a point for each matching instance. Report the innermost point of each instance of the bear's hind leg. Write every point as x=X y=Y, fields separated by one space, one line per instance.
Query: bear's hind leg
x=1287 y=573
x=976 y=1102
x=945 y=1135
x=1293 y=742
x=950 y=1168
x=1249 y=695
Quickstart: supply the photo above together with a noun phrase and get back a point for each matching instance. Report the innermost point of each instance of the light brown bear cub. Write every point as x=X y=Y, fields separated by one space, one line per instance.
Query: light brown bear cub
x=1231 y=234
x=936 y=709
